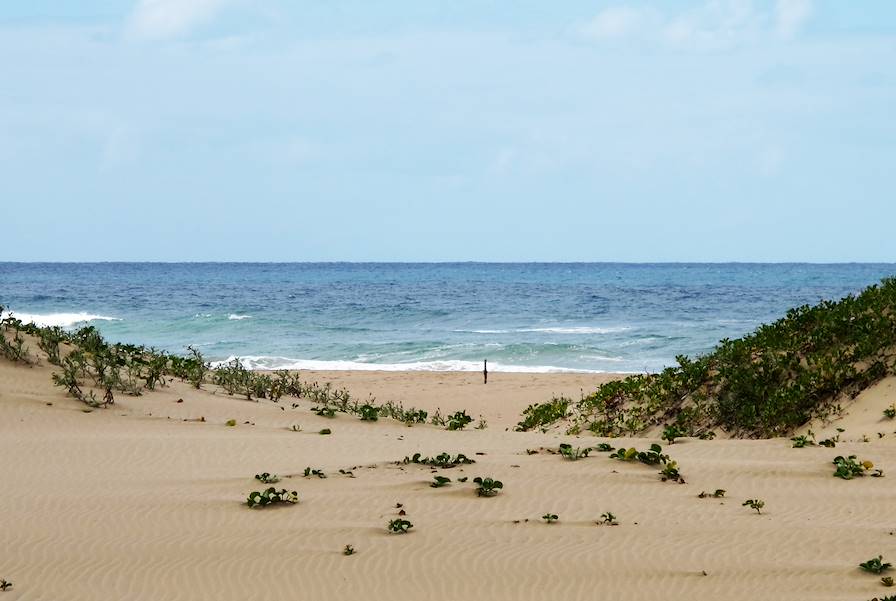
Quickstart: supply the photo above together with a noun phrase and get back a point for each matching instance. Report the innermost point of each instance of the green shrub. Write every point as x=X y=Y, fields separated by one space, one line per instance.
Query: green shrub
x=368 y=413
x=887 y=580
x=849 y=467
x=719 y=493
x=756 y=504
x=608 y=519
x=890 y=412
x=459 y=420
x=544 y=414
x=803 y=440
x=875 y=565
x=442 y=460
x=5 y=585
x=487 y=486
x=670 y=433
x=572 y=454
x=267 y=478
x=550 y=518
x=272 y=496
x=312 y=472
x=399 y=526
x=439 y=481
x=348 y=550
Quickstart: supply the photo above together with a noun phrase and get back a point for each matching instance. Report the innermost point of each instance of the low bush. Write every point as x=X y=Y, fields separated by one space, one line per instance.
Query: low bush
x=272 y=496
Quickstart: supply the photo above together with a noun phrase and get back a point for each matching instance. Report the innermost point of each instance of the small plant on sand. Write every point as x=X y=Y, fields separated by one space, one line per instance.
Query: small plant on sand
x=876 y=565
x=442 y=460
x=670 y=472
x=348 y=550
x=459 y=420
x=803 y=440
x=573 y=454
x=890 y=412
x=196 y=367
x=849 y=468
x=718 y=494
x=670 y=433
x=399 y=526
x=756 y=504
x=267 y=478
x=608 y=519
x=324 y=411
x=887 y=581
x=439 y=481
x=311 y=472
x=231 y=423
x=368 y=413
x=272 y=496
x=550 y=518
x=325 y=431
x=488 y=487
x=15 y=349
x=5 y=585
x=604 y=447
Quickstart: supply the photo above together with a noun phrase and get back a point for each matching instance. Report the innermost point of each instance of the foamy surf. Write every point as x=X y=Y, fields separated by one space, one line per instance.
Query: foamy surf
x=553 y=330
x=274 y=363
x=62 y=320
x=236 y=317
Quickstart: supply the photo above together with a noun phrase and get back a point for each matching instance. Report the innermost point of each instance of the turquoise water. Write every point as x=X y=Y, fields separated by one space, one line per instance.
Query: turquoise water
x=521 y=317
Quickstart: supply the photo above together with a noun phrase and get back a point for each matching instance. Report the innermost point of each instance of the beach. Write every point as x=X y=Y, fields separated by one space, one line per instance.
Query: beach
x=146 y=499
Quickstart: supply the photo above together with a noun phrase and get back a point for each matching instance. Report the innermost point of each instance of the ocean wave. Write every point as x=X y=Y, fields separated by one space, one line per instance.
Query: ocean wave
x=236 y=317
x=262 y=362
x=63 y=320
x=554 y=330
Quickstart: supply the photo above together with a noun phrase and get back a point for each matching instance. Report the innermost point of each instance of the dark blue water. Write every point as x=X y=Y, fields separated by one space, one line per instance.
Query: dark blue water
x=532 y=317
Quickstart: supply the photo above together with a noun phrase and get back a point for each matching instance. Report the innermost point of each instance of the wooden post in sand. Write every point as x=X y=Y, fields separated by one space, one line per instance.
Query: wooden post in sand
x=485 y=371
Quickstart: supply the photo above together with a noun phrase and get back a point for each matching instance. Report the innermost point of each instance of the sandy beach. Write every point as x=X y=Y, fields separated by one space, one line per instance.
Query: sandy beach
x=143 y=500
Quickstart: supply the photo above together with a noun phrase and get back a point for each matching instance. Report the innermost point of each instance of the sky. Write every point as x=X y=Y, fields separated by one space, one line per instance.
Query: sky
x=349 y=130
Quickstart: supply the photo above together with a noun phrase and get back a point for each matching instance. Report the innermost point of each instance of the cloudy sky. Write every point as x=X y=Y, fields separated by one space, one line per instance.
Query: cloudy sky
x=305 y=130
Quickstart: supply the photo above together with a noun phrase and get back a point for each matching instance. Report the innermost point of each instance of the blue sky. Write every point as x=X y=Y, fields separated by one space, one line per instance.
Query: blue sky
x=308 y=130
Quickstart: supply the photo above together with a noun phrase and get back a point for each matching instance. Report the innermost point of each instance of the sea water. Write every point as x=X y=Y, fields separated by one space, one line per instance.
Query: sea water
x=431 y=316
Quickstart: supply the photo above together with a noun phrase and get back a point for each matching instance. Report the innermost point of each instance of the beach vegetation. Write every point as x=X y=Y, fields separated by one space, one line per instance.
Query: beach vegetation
x=348 y=550
x=717 y=494
x=399 y=526
x=544 y=414
x=850 y=467
x=313 y=472
x=887 y=581
x=267 y=478
x=325 y=432
x=442 y=461
x=573 y=454
x=608 y=519
x=755 y=504
x=890 y=412
x=439 y=481
x=458 y=420
x=803 y=440
x=487 y=487
x=5 y=585
x=368 y=413
x=550 y=518
x=876 y=565
x=765 y=384
x=272 y=496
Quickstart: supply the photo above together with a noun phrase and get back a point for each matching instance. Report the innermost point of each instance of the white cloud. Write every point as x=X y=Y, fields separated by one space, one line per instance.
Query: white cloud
x=618 y=22
x=158 y=19
x=713 y=24
x=790 y=16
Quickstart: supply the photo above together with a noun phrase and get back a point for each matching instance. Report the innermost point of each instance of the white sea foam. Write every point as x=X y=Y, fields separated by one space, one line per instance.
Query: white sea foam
x=261 y=362
x=554 y=330
x=235 y=317
x=63 y=320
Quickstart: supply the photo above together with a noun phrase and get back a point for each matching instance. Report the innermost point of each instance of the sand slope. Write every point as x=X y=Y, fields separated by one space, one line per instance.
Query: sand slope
x=132 y=502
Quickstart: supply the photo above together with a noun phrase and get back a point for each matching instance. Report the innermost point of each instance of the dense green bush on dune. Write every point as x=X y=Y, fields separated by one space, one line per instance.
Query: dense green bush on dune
x=764 y=384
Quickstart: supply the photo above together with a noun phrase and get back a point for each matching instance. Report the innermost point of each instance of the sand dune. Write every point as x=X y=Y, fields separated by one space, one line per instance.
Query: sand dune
x=134 y=502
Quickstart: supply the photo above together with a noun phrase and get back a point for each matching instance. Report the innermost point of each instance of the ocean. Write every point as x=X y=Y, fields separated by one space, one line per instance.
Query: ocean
x=535 y=317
